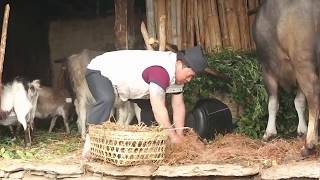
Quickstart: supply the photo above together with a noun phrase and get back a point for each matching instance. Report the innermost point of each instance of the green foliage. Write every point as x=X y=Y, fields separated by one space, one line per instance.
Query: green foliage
x=44 y=146
x=246 y=86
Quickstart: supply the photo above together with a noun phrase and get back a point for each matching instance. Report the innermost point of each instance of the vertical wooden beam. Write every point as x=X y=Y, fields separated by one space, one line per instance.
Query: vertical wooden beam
x=244 y=25
x=223 y=24
x=124 y=26
x=233 y=24
x=151 y=18
x=174 y=12
x=214 y=26
x=162 y=24
x=120 y=25
x=252 y=4
x=179 y=24
x=3 y=40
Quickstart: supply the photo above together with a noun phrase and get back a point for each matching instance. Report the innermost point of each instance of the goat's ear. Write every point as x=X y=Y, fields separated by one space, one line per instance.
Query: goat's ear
x=36 y=83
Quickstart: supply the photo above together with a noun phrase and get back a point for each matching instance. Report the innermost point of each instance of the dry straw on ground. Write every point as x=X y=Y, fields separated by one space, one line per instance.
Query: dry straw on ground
x=234 y=148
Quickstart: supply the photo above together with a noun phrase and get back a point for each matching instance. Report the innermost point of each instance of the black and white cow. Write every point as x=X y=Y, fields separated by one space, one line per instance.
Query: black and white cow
x=286 y=33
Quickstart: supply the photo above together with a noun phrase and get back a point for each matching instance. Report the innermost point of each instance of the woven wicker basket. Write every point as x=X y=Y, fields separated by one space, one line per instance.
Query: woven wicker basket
x=127 y=148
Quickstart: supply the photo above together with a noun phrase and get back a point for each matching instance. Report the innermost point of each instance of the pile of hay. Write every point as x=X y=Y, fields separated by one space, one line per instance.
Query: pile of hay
x=234 y=148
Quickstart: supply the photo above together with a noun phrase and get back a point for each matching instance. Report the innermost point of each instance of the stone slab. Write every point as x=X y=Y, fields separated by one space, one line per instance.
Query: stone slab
x=206 y=170
x=112 y=170
x=302 y=169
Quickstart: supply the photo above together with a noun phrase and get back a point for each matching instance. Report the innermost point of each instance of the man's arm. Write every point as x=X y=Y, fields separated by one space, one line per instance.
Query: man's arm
x=157 y=99
x=158 y=103
x=179 y=112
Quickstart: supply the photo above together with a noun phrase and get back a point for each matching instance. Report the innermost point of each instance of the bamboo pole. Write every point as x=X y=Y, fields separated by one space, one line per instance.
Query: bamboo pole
x=3 y=40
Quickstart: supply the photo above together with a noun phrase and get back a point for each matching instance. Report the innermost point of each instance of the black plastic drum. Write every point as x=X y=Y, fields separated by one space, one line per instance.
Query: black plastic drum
x=210 y=117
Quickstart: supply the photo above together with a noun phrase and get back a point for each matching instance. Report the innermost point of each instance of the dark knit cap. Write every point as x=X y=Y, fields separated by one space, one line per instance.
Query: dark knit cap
x=193 y=58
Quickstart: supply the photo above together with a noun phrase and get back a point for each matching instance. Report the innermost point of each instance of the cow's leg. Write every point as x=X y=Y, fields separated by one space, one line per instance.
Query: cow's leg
x=309 y=85
x=300 y=104
x=308 y=81
x=53 y=122
x=273 y=104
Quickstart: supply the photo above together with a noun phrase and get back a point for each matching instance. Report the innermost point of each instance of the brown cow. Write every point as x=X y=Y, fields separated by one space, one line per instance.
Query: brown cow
x=285 y=33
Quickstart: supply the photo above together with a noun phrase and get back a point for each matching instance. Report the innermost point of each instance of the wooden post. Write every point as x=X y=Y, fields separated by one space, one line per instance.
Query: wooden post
x=174 y=21
x=252 y=4
x=121 y=25
x=145 y=36
x=162 y=24
x=214 y=26
x=223 y=25
x=151 y=18
x=232 y=21
x=179 y=24
x=3 y=41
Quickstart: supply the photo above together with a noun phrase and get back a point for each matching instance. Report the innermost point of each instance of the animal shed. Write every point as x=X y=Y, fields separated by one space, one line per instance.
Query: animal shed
x=35 y=41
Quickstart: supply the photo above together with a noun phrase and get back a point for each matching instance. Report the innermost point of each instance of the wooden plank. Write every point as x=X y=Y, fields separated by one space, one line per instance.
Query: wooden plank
x=201 y=23
x=121 y=36
x=196 y=22
x=233 y=25
x=168 y=21
x=223 y=24
x=214 y=26
x=244 y=25
x=131 y=25
x=162 y=24
x=191 y=25
x=205 y=15
x=179 y=24
x=174 y=21
x=184 y=24
x=151 y=18
x=252 y=4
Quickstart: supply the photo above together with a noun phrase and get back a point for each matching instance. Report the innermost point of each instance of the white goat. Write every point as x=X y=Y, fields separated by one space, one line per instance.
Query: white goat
x=53 y=103
x=18 y=104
